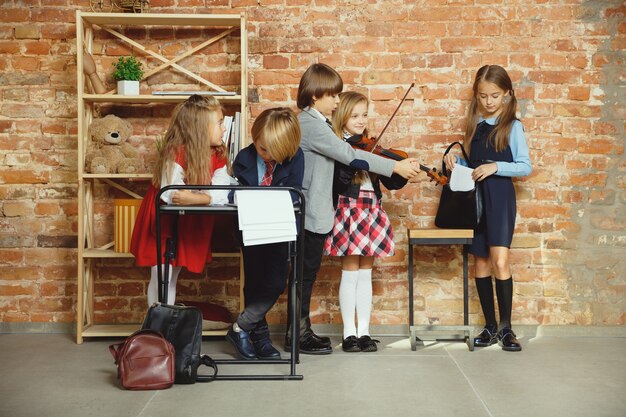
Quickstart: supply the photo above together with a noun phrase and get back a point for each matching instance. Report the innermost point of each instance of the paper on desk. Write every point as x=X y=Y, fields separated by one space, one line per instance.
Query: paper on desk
x=266 y=216
x=253 y=237
x=264 y=207
x=461 y=178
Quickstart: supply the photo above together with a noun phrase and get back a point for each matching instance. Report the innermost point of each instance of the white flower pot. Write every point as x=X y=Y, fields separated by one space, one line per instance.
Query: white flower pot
x=128 y=88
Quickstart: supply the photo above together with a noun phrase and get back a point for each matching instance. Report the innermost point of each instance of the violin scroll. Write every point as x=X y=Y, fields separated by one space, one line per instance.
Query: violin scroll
x=434 y=175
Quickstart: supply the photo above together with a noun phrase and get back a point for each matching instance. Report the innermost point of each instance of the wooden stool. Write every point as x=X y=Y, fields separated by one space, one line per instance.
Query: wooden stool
x=441 y=237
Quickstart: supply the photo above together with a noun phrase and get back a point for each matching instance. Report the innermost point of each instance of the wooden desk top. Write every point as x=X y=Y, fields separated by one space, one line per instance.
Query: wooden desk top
x=440 y=233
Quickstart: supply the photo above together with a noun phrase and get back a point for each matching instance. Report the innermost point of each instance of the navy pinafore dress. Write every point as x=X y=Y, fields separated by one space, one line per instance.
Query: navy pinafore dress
x=498 y=195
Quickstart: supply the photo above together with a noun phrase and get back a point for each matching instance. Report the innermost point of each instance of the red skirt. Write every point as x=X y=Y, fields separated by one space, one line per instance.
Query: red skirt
x=193 y=248
x=361 y=228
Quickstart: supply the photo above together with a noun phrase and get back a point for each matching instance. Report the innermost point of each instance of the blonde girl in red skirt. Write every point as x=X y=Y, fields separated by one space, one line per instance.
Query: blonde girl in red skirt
x=361 y=231
x=192 y=154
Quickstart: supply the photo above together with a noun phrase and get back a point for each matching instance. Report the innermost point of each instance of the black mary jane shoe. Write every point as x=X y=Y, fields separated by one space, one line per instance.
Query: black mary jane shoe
x=486 y=337
x=508 y=340
x=367 y=344
x=351 y=344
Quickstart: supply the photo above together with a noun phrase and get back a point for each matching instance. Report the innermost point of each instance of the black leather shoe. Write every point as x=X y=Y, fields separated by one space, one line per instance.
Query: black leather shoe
x=311 y=346
x=320 y=339
x=486 y=337
x=367 y=344
x=350 y=344
x=242 y=343
x=508 y=340
x=264 y=349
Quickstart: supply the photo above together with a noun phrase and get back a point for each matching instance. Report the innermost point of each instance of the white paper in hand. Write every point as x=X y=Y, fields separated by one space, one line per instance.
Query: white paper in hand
x=461 y=178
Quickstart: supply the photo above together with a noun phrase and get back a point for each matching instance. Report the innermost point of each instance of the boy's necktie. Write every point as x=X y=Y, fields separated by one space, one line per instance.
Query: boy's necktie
x=269 y=172
x=329 y=124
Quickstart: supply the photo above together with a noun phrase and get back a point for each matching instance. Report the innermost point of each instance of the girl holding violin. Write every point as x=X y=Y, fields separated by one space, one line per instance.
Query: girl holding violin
x=362 y=230
x=318 y=93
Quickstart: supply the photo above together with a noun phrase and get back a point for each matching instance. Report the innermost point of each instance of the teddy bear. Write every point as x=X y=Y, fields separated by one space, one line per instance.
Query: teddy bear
x=108 y=151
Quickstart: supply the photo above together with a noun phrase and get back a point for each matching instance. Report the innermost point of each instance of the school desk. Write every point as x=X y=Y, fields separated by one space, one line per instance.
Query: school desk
x=295 y=278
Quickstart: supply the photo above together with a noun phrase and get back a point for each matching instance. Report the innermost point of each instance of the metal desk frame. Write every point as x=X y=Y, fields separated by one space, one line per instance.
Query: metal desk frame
x=441 y=237
x=295 y=278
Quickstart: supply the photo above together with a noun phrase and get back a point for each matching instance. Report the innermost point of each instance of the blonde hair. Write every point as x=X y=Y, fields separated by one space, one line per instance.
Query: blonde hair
x=318 y=80
x=347 y=102
x=280 y=130
x=189 y=131
x=499 y=137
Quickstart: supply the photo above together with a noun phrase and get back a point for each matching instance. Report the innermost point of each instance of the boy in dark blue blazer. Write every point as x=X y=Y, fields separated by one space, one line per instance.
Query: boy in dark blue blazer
x=273 y=159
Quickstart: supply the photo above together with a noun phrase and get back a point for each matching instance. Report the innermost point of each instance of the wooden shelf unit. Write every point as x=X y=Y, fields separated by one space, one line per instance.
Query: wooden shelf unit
x=88 y=25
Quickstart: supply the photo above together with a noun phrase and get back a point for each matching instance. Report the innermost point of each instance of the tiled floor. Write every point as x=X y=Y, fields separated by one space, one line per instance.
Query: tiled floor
x=48 y=375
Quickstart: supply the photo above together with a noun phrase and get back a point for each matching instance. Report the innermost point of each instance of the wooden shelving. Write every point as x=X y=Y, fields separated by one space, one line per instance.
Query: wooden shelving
x=88 y=27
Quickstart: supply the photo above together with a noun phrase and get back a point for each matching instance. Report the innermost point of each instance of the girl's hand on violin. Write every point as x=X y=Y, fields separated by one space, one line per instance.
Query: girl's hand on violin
x=484 y=171
x=450 y=161
x=406 y=168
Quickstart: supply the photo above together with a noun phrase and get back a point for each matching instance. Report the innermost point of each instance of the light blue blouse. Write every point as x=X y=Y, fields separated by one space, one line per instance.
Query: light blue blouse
x=520 y=167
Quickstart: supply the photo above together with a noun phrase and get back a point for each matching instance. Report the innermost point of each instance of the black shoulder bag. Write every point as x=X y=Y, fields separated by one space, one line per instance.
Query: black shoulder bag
x=182 y=327
x=458 y=209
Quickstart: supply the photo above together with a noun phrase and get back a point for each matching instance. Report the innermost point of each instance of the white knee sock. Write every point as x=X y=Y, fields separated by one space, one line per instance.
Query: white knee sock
x=364 y=301
x=347 y=301
x=153 y=288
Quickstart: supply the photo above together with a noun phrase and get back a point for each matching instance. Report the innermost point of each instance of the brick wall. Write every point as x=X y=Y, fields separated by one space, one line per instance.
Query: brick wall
x=567 y=62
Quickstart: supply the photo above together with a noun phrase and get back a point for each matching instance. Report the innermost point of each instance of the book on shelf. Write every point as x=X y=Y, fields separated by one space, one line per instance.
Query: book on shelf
x=233 y=145
x=189 y=93
x=228 y=124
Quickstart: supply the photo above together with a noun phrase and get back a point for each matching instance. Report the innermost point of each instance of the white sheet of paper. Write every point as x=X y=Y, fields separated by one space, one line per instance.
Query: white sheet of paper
x=461 y=178
x=264 y=207
x=266 y=216
x=265 y=240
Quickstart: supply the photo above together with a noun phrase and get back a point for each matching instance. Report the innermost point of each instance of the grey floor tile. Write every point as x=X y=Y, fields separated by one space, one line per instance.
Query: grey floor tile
x=49 y=375
x=552 y=376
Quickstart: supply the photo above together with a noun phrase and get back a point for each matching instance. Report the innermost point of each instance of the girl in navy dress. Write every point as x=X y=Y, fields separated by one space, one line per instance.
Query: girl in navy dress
x=361 y=231
x=497 y=151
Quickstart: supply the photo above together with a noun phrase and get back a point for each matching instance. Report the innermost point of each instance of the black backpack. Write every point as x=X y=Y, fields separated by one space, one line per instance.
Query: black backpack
x=182 y=327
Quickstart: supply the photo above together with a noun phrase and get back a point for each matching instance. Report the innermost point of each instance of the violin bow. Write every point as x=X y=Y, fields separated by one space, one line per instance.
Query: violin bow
x=392 y=116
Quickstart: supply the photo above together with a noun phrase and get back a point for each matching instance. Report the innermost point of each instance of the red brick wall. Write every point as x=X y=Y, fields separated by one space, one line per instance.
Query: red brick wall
x=567 y=62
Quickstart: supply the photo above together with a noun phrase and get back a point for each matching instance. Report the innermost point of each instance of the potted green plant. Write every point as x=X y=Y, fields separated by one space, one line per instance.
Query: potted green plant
x=128 y=73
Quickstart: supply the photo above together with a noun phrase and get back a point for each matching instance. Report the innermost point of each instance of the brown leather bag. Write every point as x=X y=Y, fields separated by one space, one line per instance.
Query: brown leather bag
x=145 y=361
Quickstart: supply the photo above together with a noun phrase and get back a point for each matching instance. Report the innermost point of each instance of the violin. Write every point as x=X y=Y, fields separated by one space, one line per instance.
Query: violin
x=366 y=144
x=434 y=175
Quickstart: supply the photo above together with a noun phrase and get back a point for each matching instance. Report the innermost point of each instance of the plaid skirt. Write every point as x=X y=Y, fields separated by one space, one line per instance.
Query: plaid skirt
x=361 y=228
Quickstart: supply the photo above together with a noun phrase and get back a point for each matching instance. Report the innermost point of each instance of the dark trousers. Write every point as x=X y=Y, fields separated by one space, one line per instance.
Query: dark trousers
x=312 y=259
x=266 y=268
